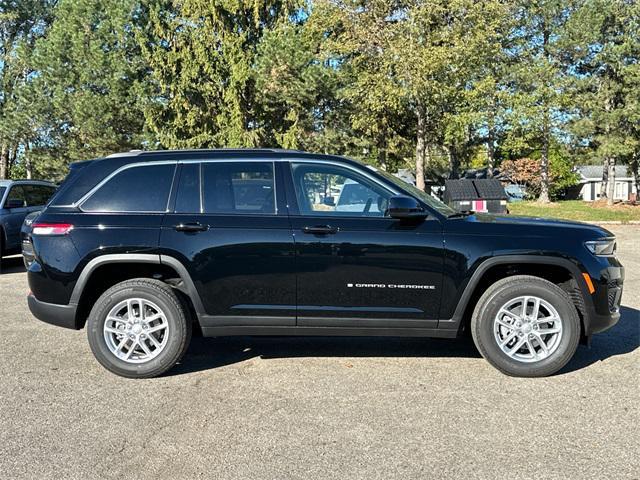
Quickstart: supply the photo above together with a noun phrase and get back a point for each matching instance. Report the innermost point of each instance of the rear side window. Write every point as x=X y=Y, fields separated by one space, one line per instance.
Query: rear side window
x=38 y=195
x=136 y=189
x=240 y=188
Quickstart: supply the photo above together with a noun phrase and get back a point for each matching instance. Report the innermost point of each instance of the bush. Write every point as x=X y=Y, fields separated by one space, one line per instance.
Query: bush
x=527 y=171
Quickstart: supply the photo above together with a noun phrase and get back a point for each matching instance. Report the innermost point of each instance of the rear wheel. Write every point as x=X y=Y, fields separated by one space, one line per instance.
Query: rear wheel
x=139 y=328
x=526 y=326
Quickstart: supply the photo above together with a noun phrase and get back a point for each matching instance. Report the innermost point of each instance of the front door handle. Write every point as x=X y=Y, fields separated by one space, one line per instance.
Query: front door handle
x=320 y=229
x=191 y=227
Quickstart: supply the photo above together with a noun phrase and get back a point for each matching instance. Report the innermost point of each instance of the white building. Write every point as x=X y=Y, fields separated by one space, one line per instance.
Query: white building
x=591 y=180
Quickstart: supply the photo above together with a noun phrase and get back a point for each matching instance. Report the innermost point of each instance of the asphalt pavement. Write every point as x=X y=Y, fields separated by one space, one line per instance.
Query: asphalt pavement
x=317 y=408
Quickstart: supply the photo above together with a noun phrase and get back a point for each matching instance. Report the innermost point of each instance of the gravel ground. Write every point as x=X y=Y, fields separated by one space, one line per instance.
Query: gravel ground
x=317 y=408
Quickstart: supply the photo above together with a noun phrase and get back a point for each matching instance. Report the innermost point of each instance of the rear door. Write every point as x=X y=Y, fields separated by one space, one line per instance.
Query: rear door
x=228 y=226
x=357 y=267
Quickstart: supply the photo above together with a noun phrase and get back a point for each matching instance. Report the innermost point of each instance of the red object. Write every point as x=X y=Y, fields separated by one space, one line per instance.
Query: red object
x=51 y=228
x=479 y=206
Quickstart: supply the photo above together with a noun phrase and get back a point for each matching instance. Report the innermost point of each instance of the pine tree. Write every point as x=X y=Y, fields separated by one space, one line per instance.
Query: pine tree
x=604 y=37
x=201 y=57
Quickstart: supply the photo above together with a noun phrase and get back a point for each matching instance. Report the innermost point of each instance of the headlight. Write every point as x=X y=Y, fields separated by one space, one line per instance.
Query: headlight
x=603 y=248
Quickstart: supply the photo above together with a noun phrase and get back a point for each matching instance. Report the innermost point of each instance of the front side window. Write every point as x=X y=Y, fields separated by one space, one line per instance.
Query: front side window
x=136 y=189
x=238 y=188
x=333 y=190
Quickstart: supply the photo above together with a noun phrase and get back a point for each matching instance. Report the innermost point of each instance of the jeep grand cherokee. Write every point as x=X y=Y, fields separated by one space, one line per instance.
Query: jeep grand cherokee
x=143 y=246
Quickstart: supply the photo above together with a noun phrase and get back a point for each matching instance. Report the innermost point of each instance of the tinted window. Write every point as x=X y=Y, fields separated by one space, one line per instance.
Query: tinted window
x=38 y=195
x=334 y=190
x=238 y=187
x=17 y=193
x=136 y=189
x=2 y=189
x=188 y=195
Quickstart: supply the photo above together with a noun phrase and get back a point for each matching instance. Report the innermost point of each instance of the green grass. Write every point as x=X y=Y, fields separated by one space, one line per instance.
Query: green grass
x=577 y=210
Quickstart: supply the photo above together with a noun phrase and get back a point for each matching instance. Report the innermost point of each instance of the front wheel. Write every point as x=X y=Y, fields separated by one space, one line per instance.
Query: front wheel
x=526 y=326
x=139 y=328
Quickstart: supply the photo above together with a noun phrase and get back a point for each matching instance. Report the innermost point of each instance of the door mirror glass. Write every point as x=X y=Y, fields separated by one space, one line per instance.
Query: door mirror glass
x=401 y=206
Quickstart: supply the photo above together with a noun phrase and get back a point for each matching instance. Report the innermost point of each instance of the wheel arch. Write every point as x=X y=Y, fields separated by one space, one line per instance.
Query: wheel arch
x=561 y=271
x=106 y=270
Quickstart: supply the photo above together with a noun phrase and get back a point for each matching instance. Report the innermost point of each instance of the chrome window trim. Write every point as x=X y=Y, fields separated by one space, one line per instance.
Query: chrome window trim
x=151 y=163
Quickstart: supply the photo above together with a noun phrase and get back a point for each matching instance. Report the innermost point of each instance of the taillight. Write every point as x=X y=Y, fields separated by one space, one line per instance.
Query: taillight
x=51 y=228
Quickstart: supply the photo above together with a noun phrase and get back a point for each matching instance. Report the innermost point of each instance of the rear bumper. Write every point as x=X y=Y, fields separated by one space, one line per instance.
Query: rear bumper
x=60 y=315
x=27 y=253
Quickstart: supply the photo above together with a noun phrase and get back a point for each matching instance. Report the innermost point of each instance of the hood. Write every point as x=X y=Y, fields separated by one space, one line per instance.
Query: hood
x=537 y=226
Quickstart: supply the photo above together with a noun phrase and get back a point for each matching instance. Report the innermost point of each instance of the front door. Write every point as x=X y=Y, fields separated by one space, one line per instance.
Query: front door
x=229 y=227
x=356 y=267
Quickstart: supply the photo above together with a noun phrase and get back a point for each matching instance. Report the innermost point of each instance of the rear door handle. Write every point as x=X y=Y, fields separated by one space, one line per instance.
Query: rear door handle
x=191 y=227
x=320 y=229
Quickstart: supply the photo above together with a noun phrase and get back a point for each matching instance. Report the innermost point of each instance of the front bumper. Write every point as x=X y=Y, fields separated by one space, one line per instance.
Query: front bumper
x=600 y=323
x=606 y=299
x=60 y=315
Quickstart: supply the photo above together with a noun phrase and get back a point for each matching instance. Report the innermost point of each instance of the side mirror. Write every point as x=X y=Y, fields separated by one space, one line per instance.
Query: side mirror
x=13 y=203
x=403 y=207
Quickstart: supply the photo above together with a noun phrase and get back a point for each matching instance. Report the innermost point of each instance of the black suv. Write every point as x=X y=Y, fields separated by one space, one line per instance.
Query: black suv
x=143 y=247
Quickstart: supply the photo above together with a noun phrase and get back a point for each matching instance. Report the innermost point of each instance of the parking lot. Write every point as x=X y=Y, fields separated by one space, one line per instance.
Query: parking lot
x=317 y=408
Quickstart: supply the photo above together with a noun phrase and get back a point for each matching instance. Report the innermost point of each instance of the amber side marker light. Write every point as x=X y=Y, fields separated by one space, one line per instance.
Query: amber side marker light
x=587 y=280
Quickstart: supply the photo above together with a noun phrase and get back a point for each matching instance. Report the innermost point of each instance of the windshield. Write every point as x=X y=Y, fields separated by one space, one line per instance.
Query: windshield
x=2 y=189
x=431 y=201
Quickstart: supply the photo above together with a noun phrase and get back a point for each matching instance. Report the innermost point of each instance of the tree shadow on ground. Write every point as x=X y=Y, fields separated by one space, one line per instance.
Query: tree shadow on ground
x=208 y=353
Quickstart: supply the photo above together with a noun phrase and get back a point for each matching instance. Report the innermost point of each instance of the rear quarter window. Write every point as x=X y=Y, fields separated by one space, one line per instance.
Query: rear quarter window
x=137 y=189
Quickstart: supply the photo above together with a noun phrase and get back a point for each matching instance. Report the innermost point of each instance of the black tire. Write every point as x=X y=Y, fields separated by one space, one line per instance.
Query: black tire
x=488 y=306
x=178 y=320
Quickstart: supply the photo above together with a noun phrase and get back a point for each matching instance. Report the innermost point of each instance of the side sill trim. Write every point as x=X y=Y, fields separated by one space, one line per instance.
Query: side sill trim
x=326 y=331
x=350 y=322
x=215 y=321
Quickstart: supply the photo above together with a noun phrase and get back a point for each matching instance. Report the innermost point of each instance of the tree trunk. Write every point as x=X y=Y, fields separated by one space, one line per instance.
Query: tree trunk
x=382 y=157
x=636 y=176
x=544 y=169
x=491 y=148
x=4 y=162
x=421 y=146
x=611 y=185
x=454 y=163
x=27 y=161
x=605 y=178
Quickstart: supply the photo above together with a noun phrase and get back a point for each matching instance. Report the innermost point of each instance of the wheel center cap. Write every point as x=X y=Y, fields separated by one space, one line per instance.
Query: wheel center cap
x=137 y=328
x=526 y=328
